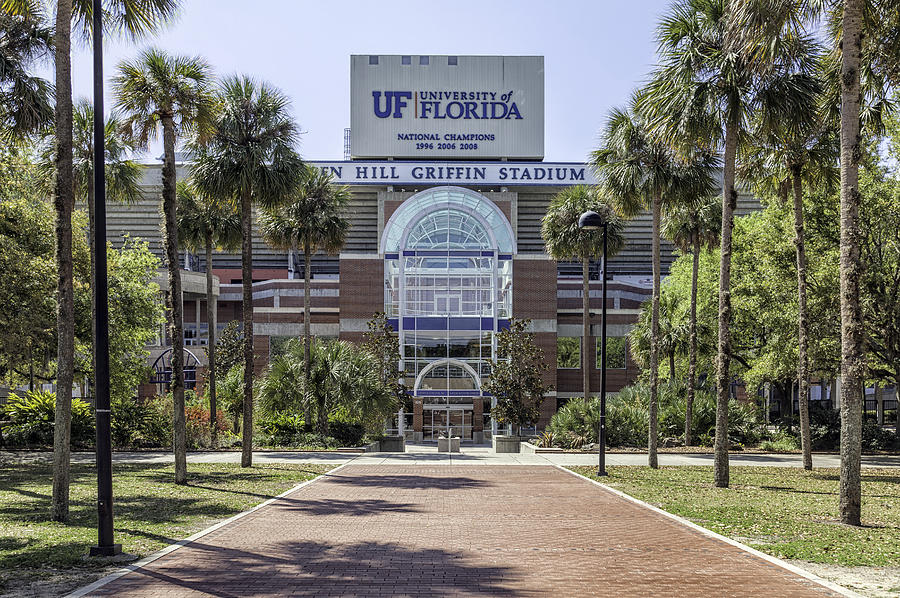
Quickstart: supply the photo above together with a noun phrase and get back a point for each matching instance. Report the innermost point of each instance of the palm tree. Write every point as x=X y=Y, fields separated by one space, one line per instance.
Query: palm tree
x=638 y=172
x=691 y=226
x=25 y=99
x=565 y=241
x=204 y=224
x=311 y=220
x=168 y=94
x=712 y=76
x=134 y=18
x=788 y=153
x=250 y=158
x=122 y=174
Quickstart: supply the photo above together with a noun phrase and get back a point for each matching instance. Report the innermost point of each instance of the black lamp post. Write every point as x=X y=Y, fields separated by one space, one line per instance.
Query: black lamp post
x=593 y=221
x=105 y=545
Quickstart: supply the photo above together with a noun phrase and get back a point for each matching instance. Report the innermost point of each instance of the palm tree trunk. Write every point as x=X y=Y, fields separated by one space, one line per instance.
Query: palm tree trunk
x=247 y=281
x=802 y=328
x=175 y=298
x=852 y=349
x=211 y=343
x=322 y=423
x=652 y=428
x=692 y=350
x=586 y=326
x=65 y=311
x=723 y=360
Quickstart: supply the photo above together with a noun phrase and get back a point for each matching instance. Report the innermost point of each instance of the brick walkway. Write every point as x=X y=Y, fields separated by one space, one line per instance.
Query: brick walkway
x=458 y=531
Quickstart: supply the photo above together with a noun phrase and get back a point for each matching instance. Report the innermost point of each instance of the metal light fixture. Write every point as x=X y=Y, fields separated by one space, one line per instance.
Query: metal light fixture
x=105 y=545
x=591 y=221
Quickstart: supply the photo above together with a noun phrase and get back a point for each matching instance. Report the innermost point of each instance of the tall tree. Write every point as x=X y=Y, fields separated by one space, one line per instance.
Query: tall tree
x=206 y=223
x=311 y=220
x=691 y=226
x=250 y=158
x=133 y=18
x=796 y=149
x=639 y=172
x=160 y=93
x=566 y=241
x=711 y=78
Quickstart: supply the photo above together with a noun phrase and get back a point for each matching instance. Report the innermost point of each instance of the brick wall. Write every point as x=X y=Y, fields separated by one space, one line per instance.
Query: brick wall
x=361 y=287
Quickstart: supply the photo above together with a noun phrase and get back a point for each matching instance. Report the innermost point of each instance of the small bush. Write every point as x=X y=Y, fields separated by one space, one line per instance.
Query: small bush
x=282 y=429
x=157 y=429
x=780 y=442
x=627 y=418
x=32 y=417
x=346 y=433
x=128 y=419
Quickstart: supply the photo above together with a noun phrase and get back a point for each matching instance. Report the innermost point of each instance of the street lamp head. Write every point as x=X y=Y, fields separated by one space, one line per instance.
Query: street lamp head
x=591 y=220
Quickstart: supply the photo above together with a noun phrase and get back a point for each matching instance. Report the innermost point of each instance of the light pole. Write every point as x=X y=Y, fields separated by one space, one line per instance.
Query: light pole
x=105 y=545
x=591 y=221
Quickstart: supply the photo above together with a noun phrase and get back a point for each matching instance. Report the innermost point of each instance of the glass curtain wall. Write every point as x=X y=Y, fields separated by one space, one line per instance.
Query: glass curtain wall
x=448 y=286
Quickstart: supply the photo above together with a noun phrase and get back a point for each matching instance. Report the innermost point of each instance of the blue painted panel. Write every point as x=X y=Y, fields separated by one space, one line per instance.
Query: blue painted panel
x=465 y=323
x=394 y=323
x=391 y=256
x=431 y=323
x=487 y=324
x=504 y=256
x=409 y=323
x=502 y=325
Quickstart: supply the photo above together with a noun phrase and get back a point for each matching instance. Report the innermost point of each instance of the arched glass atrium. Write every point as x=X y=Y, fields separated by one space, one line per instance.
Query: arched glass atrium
x=448 y=286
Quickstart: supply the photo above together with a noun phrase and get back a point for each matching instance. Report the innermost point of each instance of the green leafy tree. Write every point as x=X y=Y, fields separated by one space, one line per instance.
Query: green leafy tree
x=383 y=343
x=160 y=93
x=713 y=75
x=312 y=220
x=565 y=241
x=639 y=172
x=517 y=377
x=135 y=19
x=250 y=159
x=204 y=224
x=135 y=314
x=691 y=226
x=230 y=346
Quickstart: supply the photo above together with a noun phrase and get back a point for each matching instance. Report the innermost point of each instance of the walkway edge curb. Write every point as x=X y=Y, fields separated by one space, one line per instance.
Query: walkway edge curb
x=709 y=533
x=84 y=591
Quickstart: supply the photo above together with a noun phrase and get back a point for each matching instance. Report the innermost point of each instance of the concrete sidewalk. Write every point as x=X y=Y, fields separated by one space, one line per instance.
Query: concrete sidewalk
x=420 y=531
x=470 y=455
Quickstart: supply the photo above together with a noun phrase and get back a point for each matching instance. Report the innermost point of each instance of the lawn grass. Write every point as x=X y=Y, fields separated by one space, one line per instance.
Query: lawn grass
x=783 y=511
x=150 y=510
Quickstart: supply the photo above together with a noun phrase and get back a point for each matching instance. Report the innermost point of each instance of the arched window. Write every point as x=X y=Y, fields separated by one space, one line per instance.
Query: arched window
x=448 y=218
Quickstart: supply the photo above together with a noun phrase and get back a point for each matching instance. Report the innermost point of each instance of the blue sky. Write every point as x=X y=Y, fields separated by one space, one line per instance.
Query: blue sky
x=596 y=53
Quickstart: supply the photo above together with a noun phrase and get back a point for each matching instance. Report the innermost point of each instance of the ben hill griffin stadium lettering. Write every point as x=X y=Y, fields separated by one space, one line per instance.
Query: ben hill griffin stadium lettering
x=497 y=173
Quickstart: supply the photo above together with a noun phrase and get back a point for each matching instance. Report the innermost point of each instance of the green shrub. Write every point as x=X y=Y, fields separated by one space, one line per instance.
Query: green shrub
x=282 y=429
x=32 y=418
x=346 y=433
x=128 y=419
x=157 y=429
x=627 y=418
x=781 y=442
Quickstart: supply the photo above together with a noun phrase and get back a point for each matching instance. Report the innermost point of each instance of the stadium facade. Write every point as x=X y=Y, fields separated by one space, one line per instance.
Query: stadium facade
x=449 y=186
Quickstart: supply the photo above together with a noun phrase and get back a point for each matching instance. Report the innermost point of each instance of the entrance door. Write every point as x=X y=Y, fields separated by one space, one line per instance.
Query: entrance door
x=442 y=421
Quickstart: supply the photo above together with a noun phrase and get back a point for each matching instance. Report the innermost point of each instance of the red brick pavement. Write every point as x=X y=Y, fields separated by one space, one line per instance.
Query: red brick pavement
x=458 y=531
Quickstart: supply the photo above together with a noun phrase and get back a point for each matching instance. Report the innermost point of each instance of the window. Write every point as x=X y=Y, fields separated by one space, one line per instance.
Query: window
x=452 y=60
x=616 y=352
x=373 y=60
x=406 y=60
x=423 y=60
x=568 y=352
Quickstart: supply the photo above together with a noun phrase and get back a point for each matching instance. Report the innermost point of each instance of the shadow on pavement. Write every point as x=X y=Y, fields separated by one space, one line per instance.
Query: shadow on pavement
x=316 y=569
x=407 y=482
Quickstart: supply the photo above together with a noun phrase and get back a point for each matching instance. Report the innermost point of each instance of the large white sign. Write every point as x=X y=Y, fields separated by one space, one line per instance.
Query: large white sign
x=447 y=107
x=509 y=174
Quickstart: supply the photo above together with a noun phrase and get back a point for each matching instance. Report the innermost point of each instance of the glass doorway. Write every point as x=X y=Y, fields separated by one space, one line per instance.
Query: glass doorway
x=441 y=421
